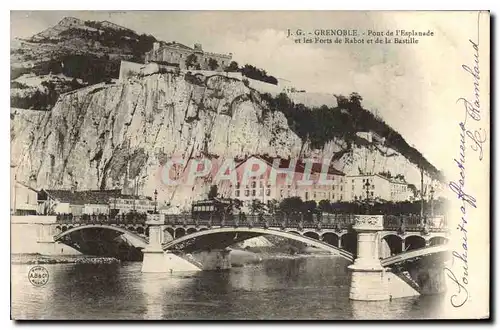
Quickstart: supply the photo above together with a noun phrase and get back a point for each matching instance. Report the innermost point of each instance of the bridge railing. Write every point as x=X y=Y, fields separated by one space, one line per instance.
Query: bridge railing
x=299 y=221
x=124 y=219
x=414 y=222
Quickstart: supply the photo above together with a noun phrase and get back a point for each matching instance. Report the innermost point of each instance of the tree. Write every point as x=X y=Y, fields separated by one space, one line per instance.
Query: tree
x=192 y=61
x=212 y=64
x=291 y=204
x=232 y=67
x=256 y=207
x=324 y=206
x=272 y=206
x=309 y=206
x=213 y=192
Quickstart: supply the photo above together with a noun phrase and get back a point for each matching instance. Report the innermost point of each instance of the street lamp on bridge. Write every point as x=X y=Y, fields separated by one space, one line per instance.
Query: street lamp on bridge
x=156 y=200
x=431 y=192
x=367 y=186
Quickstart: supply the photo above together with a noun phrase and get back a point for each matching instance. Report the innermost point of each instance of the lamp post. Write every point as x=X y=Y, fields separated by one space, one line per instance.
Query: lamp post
x=367 y=186
x=432 y=200
x=156 y=199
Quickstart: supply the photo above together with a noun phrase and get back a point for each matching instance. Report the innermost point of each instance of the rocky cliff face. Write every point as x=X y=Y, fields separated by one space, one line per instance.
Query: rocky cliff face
x=107 y=136
x=119 y=135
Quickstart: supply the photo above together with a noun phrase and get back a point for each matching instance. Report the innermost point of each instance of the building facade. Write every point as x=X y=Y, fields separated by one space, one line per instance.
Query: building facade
x=126 y=204
x=176 y=53
x=92 y=202
x=376 y=186
x=24 y=199
x=285 y=182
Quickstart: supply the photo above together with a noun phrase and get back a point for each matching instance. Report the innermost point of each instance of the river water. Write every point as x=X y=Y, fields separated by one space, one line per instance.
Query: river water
x=293 y=288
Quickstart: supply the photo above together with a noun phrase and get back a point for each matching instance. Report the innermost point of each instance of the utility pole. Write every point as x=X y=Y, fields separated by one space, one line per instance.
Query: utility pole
x=421 y=196
x=432 y=201
x=156 y=200
x=367 y=186
x=15 y=193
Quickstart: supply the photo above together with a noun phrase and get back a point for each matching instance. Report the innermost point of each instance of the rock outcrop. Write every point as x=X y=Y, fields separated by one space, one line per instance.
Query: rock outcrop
x=119 y=135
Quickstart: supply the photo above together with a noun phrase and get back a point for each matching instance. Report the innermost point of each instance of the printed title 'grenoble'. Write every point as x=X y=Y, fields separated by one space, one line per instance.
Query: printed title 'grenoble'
x=336 y=32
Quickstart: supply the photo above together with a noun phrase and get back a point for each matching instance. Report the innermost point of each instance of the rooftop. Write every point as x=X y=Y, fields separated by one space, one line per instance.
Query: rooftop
x=300 y=166
x=87 y=196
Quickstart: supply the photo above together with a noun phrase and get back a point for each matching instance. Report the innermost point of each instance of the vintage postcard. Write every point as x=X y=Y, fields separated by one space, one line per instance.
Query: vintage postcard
x=235 y=165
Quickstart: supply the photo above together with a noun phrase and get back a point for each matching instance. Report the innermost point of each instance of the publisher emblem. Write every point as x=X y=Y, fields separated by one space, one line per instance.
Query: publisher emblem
x=38 y=276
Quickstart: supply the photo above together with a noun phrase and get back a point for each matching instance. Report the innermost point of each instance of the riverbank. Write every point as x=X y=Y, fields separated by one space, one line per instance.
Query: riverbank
x=249 y=256
x=38 y=259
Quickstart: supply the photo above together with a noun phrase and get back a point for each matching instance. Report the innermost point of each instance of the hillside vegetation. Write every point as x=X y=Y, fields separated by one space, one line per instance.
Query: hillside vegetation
x=321 y=125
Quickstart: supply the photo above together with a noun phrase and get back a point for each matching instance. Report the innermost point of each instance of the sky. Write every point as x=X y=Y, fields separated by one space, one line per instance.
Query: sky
x=413 y=87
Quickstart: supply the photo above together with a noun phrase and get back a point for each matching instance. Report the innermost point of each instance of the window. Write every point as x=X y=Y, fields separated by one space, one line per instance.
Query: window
x=268 y=192
x=237 y=193
x=238 y=185
x=253 y=184
x=247 y=193
x=371 y=193
x=352 y=180
x=253 y=192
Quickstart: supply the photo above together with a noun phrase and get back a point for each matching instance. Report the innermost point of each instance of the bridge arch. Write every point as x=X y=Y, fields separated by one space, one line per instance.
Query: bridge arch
x=133 y=238
x=191 y=230
x=349 y=242
x=170 y=231
x=182 y=241
x=390 y=245
x=414 y=242
x=331 y=238
x=408 y=255
x=438 y=240
x=179 y=232
x=312 y=234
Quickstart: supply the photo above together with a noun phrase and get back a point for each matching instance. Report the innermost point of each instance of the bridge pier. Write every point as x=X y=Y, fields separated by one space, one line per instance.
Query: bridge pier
x=368 y=281
x=45 y=241
x=154 y=260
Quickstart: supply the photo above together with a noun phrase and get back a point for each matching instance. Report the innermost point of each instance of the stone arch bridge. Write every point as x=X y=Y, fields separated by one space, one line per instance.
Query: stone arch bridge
x=376 y=244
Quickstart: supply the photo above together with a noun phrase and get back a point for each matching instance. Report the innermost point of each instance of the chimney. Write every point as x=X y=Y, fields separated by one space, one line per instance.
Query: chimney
x=156 y=46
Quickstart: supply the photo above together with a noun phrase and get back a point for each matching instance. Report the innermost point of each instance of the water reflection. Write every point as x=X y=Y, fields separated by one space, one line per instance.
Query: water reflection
x=307 y=288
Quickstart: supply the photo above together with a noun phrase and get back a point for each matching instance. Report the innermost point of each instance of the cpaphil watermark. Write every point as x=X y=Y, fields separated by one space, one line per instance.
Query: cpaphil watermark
x=38 y=275
x=301 y=172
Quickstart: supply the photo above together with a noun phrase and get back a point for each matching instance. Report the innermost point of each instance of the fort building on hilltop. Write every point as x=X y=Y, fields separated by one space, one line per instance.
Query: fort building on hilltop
x=177 y=54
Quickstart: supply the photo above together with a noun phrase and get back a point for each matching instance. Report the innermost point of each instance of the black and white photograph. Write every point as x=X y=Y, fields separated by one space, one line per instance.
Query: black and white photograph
x=249 y=165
